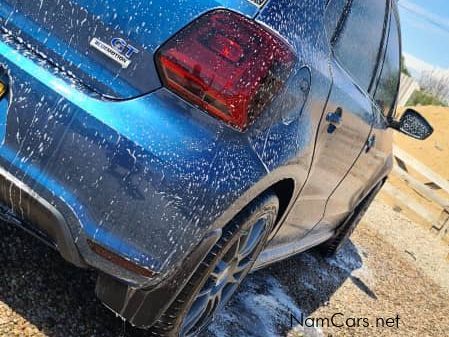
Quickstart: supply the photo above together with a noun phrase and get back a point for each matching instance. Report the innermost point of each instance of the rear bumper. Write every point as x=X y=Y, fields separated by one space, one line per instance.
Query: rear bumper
x=22 y=206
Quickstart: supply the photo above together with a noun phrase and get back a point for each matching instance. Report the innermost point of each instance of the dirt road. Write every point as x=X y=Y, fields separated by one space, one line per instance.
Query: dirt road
x=392 y=272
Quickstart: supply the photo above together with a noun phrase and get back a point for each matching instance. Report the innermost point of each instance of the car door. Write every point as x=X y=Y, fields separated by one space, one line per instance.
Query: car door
x=350 y=113
x=375 y=160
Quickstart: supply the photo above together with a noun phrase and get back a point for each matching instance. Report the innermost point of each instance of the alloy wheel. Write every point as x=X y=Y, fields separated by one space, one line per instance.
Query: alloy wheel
x=226 y=276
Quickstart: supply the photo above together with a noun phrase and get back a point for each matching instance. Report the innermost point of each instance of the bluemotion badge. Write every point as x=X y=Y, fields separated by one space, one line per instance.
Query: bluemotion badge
x=118 y=50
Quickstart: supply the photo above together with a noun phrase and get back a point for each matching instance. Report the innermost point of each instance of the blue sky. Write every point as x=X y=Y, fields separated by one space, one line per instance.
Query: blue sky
x=425 y=33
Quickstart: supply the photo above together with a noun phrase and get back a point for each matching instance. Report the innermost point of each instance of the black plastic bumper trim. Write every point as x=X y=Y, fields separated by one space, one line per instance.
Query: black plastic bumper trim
x=22 y=206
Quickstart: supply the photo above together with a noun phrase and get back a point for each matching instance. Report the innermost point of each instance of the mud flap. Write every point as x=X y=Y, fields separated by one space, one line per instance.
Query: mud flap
x=143 y=307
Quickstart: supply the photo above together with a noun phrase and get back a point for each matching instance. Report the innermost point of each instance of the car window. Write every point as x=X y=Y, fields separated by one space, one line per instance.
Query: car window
x=359 y=39
x=387 y=88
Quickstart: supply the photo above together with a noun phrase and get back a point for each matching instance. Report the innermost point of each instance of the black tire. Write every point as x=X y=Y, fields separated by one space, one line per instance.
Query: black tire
x=235 y=235
x=344 y=231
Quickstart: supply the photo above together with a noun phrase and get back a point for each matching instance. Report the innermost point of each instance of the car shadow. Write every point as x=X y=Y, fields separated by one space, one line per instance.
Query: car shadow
x=45 y=292
x=37 y=284
x=312 y=279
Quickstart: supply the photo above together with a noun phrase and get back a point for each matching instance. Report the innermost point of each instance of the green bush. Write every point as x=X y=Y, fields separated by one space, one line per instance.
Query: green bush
x=422 y=98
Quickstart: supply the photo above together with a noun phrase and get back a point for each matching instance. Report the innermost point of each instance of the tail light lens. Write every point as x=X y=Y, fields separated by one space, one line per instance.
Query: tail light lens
x=227 y=64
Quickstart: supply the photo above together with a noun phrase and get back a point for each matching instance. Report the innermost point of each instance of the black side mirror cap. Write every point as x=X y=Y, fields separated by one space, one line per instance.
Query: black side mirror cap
x=413 y=124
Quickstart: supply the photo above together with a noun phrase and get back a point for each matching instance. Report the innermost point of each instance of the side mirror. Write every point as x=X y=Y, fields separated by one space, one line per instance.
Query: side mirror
x=413 y=124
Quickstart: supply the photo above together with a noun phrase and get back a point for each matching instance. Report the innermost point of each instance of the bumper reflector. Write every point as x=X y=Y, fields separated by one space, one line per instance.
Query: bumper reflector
x=120 y=261
x=3 y=89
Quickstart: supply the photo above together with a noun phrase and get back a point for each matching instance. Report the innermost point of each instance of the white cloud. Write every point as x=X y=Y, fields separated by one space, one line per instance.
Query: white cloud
x=417 y=66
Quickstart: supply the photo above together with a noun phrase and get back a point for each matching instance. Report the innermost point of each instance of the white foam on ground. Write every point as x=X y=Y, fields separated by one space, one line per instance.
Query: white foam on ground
x=261 y=308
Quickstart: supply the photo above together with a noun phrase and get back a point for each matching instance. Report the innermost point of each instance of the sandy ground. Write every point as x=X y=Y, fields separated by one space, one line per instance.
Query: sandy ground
x=391 y=267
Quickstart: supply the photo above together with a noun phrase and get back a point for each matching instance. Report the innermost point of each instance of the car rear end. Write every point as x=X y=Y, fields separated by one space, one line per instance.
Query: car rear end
x=121 y=144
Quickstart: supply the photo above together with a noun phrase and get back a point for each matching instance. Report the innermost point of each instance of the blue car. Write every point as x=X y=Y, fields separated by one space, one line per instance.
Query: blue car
x=174 y=146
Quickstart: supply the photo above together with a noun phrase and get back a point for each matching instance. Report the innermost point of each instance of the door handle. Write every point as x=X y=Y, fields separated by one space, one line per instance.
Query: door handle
x=335 y=120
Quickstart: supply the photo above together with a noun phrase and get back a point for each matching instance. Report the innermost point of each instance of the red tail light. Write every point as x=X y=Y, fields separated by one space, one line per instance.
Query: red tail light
x=227 y=64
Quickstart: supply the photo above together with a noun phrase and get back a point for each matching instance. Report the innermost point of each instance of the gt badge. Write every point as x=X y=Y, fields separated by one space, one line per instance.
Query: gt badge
x=119 y=50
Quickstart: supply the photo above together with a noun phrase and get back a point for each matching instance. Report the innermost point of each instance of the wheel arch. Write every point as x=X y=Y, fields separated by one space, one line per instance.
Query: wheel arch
x=286 y=182
x=284 y=190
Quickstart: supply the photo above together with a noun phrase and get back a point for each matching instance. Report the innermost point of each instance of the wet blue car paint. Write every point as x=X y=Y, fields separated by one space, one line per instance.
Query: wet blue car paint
x=148 y=177
x=56 y=135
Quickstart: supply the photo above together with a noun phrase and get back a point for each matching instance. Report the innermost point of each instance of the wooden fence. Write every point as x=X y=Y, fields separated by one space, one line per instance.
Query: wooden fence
x=428 y=185
x=407 y=88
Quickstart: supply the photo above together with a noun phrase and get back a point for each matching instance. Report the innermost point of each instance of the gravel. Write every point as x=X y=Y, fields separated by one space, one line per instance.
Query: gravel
x=374 y=278
x=391 y=267
x=412 y=241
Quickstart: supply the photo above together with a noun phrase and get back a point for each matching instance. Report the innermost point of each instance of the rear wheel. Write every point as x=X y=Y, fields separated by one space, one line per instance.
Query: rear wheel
x=222 y=271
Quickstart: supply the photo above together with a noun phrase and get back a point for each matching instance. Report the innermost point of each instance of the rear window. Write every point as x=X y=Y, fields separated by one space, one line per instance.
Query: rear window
x=358 y=42
x=387 y=88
